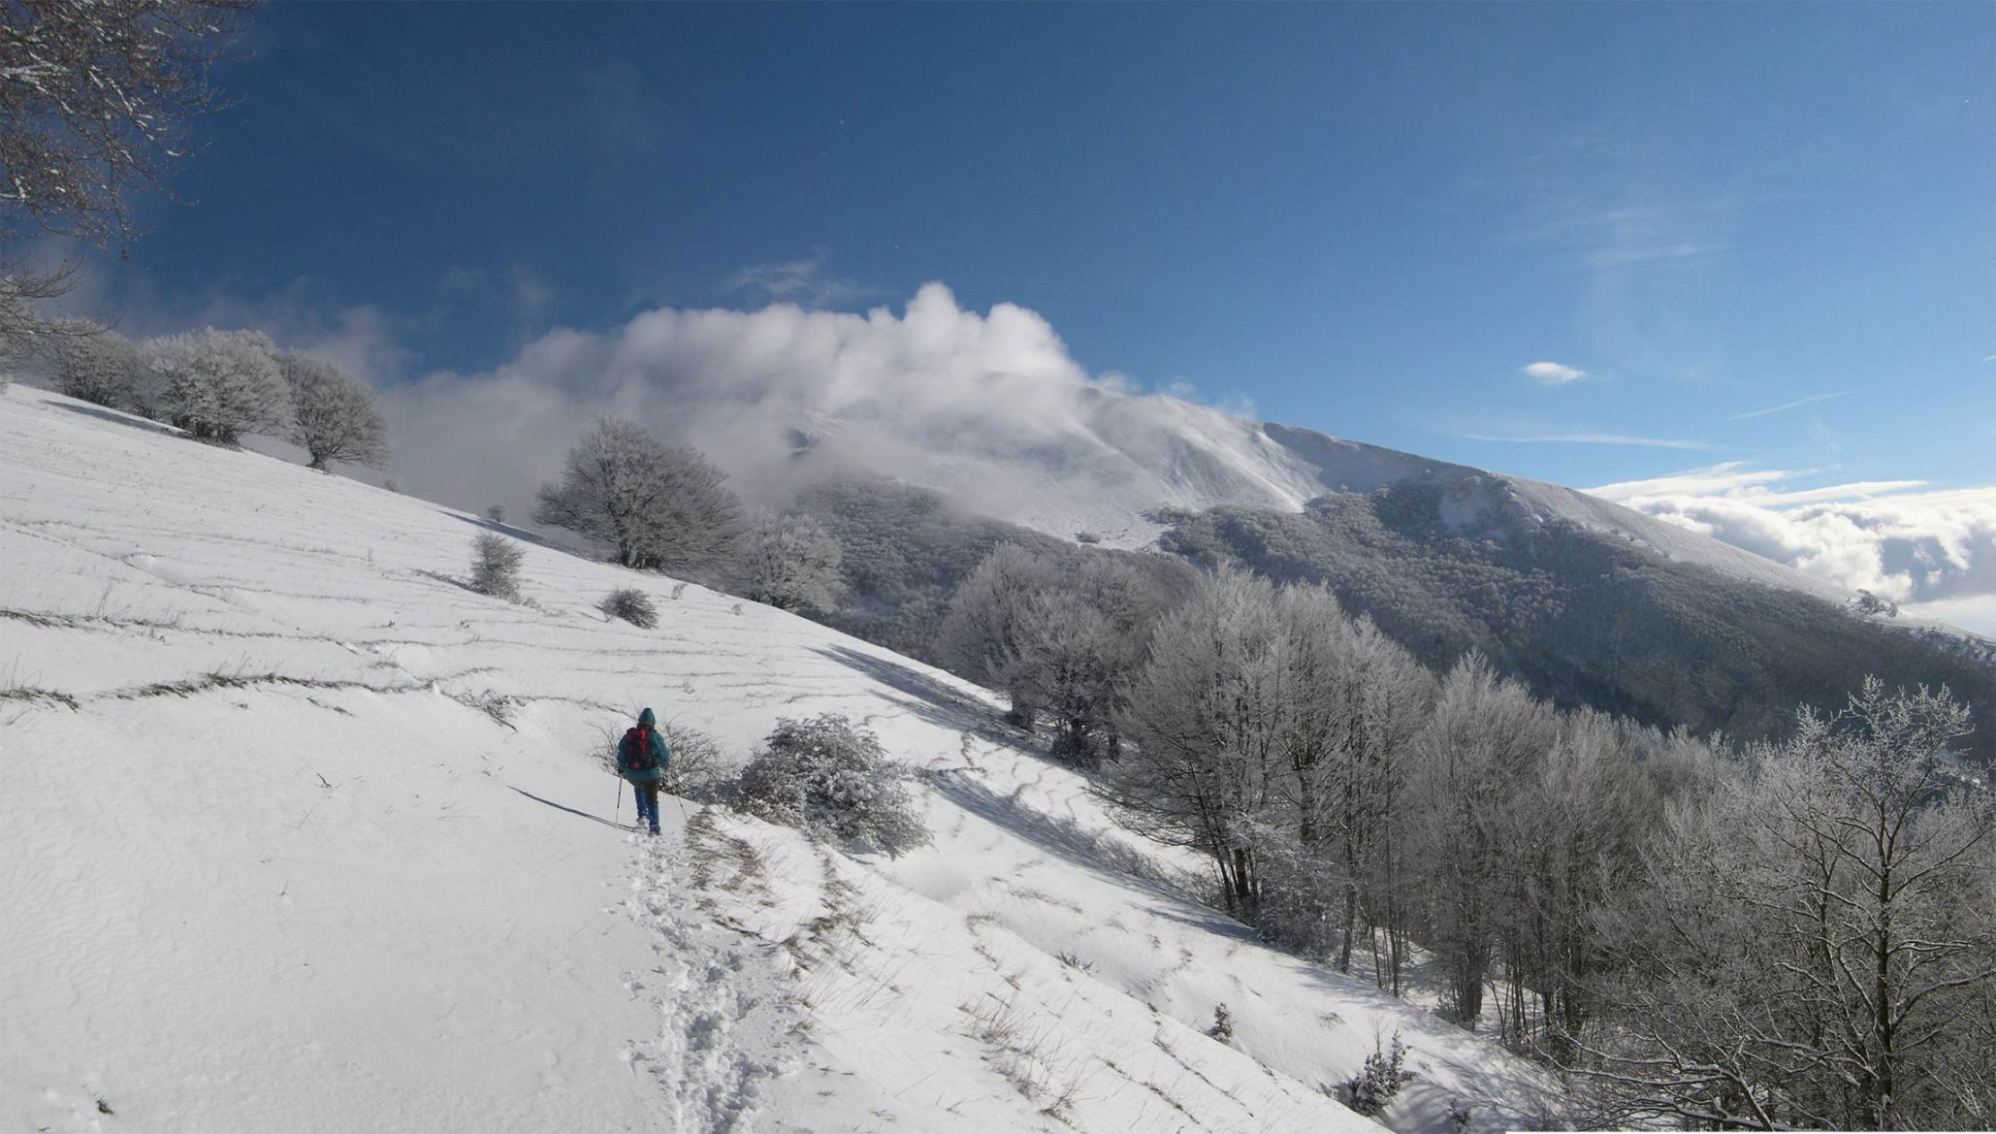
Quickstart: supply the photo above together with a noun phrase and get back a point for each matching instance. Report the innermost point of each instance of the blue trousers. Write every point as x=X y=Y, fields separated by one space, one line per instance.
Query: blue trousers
x=647 y=796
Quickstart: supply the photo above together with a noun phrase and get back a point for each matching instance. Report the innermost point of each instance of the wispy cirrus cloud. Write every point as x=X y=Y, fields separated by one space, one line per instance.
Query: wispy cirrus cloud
x=804 y=282
x=1587 y=438
x=1631 y=254
x=1798 y=403
x=1552 y=373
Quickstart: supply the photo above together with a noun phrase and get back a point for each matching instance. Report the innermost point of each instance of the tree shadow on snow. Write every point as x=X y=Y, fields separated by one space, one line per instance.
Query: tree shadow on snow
x=570 y=810
x=1068 y=840
x=926 y=697
x=511 y=532
x=119 y=417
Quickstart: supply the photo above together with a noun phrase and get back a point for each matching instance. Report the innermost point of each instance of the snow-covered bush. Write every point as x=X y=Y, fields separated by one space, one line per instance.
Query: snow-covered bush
x=495 y=566
x=100 y=368
x=829 y=776
x=220 y=385
x=1372 y=1089
x=496 y=513
x=790 y=562
x=631 y=605
x=336 y=418
x=698 y=770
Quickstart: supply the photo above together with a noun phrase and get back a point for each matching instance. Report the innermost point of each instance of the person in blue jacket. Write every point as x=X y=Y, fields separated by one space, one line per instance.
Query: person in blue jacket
x=642 y=757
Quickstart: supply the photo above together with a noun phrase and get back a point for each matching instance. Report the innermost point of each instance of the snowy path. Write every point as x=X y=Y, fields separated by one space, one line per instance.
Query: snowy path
x=730 y=1023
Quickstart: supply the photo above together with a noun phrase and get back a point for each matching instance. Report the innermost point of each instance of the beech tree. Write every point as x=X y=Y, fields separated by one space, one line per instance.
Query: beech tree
x=220 y=385
x=1207 y=712
x=790 y=562
x=1814 y=943
x=96 y=97
x=662 y=507
x=100 y=367
x=985 y=627
x=1484 y=734
x=336 y=417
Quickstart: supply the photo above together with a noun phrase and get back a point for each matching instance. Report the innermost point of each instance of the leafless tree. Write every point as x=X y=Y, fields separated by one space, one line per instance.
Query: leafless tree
x=26 y=334
x=663 y=507
x=1485 y=732
x=1206 y=716
x=335 y=415
x=1816 y=945
x=96 y=97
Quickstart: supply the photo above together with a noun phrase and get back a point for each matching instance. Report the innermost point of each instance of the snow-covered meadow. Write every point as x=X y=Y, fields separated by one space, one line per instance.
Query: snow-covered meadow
x=305 y=835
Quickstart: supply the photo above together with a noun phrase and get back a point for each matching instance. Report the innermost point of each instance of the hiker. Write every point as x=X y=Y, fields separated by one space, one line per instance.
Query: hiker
x=642 y=757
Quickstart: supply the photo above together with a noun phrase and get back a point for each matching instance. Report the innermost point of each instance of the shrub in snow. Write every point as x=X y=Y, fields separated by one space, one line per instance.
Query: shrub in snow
x=496 y=513
x=220 y=385
x=101 y=368
x=1372 y=1089
x=662 y=507
x=698 y=770
x=335 y=415
x=791 y=563
x=1223 y=1024
x=829 y=776
x=631 y=605
x=495 y=566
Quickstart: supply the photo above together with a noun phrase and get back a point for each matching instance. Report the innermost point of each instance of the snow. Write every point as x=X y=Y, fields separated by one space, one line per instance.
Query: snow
x=307 y=836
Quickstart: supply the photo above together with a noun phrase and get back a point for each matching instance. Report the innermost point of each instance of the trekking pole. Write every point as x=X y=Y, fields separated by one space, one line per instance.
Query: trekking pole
x=620 y=801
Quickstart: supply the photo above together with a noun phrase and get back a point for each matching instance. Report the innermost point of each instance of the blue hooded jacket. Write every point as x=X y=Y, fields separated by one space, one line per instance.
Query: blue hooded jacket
x=628 y=756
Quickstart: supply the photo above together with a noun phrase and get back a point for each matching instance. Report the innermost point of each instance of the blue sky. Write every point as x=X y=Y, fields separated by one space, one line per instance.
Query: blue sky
x=1366 y=219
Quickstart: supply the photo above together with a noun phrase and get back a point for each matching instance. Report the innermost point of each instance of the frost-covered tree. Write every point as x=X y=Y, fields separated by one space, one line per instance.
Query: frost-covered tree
x=1813 y=943
x=831 y=776
x=102 y=367
x=985 y=627
x=1060 y=634
x=95 y=99
x=220 y=385
x=1358 y=705
x=1485 y=734
x=791 y=563
x=663 y=507
x=1207 y=712
x=335 y=415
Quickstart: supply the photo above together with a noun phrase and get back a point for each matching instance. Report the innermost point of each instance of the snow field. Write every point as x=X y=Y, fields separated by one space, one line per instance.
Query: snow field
x=307 y=836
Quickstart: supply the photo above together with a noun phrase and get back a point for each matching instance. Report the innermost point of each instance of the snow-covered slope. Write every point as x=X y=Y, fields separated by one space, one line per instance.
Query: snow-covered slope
x=304 y=835
x=1113 y=457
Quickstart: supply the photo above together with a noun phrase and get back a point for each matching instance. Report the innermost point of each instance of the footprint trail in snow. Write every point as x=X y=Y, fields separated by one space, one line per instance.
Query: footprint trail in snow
x=730 y=1024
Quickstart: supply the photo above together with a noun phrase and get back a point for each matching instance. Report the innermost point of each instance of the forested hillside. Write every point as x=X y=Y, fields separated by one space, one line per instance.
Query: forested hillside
x=1582 y=617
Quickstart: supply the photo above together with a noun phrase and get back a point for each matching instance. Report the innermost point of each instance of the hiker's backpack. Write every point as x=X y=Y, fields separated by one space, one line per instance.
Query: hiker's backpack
x=638 y=742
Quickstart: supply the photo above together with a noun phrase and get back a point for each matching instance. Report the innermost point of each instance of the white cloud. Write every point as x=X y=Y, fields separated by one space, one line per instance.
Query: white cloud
x=1552 y=373
x=1798 y=403
x=1899 y=538
x=1590 y=439
x=990 y=405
